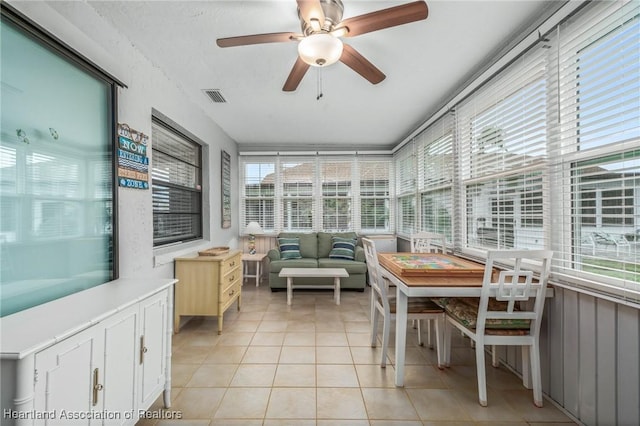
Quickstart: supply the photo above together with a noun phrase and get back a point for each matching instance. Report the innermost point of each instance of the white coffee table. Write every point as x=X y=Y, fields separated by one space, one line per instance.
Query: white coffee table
x=335 y=273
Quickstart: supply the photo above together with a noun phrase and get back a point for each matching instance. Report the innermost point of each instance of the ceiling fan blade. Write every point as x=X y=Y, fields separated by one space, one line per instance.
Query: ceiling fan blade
x=295 y=76
x=310 y=10
x=256 y=39
x=385 y=18
x=354 y=60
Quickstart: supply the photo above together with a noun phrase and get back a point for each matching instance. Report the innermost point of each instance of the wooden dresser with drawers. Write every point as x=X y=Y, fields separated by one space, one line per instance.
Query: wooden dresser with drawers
x=208 y=285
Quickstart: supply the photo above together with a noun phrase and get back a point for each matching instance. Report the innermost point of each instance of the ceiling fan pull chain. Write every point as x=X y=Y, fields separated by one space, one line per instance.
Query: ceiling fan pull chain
x=319 y=84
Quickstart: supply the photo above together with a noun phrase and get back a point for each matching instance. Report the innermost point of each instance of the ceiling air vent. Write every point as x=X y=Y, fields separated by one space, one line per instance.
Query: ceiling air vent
x=215 y=95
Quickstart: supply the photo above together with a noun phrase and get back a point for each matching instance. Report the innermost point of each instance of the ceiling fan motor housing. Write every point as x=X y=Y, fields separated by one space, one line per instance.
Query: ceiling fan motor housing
x=332 y=9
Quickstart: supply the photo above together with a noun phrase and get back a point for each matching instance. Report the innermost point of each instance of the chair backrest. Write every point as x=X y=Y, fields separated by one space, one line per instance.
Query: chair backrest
x=515 y=281
x=428 y=242
x=376 y=280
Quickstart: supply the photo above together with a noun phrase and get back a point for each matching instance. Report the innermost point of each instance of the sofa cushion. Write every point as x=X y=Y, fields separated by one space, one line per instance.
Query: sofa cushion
x=289 y=248
x=308 y=242
x=276 y=266
x=352 y=267
x=343 y=248
x=325 y=241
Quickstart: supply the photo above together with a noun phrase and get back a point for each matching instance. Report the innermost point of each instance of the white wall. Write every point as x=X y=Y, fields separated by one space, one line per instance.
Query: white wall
x=80 y=27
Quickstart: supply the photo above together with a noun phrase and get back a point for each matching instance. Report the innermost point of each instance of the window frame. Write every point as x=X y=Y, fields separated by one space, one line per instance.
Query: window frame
x=197 y=214
x=49 y=42
x=315 y=194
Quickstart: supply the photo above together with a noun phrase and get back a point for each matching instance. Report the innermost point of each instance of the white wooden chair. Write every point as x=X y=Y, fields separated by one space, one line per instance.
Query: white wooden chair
x=427 y=242
x=385 y=304
x=507 y=319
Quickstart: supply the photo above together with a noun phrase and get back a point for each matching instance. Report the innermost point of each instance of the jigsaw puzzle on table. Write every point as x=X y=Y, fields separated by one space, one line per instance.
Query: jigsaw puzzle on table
x=429 y=264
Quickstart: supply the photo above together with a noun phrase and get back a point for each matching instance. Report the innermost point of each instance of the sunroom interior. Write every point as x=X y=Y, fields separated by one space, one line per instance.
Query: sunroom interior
x=113 y=165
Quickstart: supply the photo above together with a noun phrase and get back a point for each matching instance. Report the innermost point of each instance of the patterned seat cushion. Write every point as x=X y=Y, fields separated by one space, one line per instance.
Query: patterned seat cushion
x=465 y=311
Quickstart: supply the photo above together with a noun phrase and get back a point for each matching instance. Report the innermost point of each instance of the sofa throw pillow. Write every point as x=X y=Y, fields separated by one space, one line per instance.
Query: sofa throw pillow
x=289 y=248
x=343 y=248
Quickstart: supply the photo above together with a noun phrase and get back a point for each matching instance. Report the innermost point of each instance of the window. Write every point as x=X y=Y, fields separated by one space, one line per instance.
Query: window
x=258 y=193
x=375 y=195
x=406 y=189
x=503 y=144
x=56 y=169
x=176 y=185
x=297 y=177
x=317 y=192
x=596 y=160
x=435 y=171
x=336 y=176
x=544 y=154
x=436 y=212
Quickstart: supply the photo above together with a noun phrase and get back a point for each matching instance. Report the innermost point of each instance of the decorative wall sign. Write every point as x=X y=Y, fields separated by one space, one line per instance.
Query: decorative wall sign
x=133 y=163
x=226 y=190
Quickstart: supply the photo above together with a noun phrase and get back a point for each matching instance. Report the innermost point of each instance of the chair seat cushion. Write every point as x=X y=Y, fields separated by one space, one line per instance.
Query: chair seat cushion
x=276 y=266
x=351 y=266
x=417 y=305
x=465 y=311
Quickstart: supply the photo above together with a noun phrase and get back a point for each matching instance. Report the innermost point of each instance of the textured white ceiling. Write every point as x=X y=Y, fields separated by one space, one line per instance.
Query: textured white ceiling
x=425 y=62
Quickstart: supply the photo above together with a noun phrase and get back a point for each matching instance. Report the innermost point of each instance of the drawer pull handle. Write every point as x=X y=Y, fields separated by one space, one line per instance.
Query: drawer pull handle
x=143 y=349
x=96 y=386
x=232 y=264
x=232 y=278
x=232 y=292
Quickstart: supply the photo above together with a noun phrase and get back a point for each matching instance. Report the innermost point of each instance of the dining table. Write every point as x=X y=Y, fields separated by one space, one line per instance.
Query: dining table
x=439 y=281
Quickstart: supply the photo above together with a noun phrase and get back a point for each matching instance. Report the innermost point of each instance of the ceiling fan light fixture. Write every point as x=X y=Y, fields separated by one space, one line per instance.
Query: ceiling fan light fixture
x=320 y=49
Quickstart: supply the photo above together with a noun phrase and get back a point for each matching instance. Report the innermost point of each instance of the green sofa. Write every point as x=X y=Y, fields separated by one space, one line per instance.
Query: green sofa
x=314 y=249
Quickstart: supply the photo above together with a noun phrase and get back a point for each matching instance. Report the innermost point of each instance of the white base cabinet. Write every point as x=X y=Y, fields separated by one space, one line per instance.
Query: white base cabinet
x=103 y=370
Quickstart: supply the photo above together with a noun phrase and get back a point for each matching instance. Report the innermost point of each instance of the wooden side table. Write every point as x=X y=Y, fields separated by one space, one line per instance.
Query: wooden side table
x=257 y=258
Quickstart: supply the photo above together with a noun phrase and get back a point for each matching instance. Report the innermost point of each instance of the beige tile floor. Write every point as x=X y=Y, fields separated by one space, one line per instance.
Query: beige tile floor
x=312 y=364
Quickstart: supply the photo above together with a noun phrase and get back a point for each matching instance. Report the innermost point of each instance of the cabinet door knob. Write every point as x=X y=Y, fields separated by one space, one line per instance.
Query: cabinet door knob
x=143 y=349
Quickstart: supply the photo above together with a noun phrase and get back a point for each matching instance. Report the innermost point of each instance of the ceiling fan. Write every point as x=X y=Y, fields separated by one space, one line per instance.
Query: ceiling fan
x=322 y=26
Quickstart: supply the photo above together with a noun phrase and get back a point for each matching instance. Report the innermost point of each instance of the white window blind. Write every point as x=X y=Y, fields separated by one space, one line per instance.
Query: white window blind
x=176 y=185
x=297 y=186
x=375 y=213
x=406 y=177
x=258 y=176
x=318 y=192
x=596 y=161
x=337 y=181
x=434 y=147
x=502 y=131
